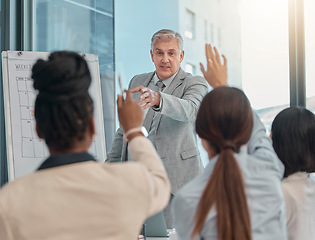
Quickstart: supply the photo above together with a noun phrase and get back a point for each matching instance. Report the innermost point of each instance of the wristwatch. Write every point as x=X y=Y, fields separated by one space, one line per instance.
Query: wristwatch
x=142 y=130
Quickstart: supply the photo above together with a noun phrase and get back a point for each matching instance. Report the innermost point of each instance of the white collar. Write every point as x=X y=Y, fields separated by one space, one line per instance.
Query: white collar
x=166 y=82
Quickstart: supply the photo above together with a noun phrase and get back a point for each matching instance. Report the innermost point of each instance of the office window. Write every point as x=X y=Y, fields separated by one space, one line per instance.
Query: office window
x=86 y=27
x=254 y=39
x=253 y=36
x=190 y=24
x=265 y=56
x=309 y=19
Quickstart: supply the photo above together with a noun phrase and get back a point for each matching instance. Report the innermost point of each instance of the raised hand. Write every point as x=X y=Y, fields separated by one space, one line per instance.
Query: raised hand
x=216 y=73
x=129 y=112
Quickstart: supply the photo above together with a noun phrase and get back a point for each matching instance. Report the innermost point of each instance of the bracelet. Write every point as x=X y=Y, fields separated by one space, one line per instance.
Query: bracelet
x=134 y=130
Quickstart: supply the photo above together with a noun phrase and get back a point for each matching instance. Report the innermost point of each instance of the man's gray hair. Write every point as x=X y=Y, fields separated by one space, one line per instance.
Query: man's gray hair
x=165 y=35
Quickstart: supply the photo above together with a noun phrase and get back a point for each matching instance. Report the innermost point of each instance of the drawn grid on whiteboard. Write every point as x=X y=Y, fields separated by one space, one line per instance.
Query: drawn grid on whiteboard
x=31 y=145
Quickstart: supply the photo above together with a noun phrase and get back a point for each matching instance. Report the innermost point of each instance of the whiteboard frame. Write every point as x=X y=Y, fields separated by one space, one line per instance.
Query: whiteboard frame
x=7 y=115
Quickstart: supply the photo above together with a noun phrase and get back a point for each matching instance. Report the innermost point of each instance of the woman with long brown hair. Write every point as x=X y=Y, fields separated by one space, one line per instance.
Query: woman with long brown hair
x=238 y=196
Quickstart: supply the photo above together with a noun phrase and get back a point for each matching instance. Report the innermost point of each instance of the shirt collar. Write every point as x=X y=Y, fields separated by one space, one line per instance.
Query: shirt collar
x=166 y=82
x=298 y=176
x=65 y=159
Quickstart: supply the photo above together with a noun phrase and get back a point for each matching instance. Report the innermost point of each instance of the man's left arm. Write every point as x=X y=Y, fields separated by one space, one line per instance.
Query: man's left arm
x=185 y=108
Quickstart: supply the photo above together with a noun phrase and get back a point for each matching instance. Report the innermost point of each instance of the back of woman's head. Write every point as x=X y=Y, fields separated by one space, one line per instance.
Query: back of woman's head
x=63 y=107
x=293 y=136
x=225 y=118
x=225 y=121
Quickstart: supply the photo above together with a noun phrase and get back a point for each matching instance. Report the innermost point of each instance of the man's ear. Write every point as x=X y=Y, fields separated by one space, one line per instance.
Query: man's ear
x=37 y=131
x=151 y=55
x=182 y=56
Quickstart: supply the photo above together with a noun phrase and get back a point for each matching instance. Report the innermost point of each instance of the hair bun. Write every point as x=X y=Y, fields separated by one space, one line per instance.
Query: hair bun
x=63 y=75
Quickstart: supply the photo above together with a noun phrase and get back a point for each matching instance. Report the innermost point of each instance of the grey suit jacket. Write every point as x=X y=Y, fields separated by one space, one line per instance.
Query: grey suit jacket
x=175 y=138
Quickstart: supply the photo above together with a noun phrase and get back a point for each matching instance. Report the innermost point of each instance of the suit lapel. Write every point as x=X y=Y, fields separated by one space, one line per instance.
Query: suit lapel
x=178 y=80
x=148 y=80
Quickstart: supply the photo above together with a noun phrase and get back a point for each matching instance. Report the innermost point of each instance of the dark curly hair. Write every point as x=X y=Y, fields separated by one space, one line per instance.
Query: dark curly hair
x=63 y=107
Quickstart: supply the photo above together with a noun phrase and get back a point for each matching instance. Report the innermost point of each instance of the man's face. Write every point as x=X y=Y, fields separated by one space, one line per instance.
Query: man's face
x=167 y=57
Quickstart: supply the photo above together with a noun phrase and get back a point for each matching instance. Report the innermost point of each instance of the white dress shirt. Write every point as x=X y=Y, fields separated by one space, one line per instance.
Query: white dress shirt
x=299 y=196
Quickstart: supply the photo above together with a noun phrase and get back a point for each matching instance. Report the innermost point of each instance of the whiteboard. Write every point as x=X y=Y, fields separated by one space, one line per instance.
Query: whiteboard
x=25 y=151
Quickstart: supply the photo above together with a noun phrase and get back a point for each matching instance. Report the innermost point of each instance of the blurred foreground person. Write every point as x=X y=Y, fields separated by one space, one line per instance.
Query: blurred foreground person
x=71 y=196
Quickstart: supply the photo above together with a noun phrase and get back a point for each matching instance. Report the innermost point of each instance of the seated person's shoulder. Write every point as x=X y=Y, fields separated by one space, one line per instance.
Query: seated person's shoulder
x=12 y=189
x=192 y=190
x=126 y=169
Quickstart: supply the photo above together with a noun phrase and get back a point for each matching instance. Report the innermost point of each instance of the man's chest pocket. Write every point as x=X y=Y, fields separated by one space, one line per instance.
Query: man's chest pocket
x=189 y=153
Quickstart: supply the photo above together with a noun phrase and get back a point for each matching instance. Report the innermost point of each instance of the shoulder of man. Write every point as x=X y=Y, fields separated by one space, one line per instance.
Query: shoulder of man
x=143 y=75
x=139 y=78
x=190 y=79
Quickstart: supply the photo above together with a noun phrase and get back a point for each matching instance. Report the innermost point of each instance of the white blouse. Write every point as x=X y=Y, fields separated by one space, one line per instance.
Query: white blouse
x=299 y=196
